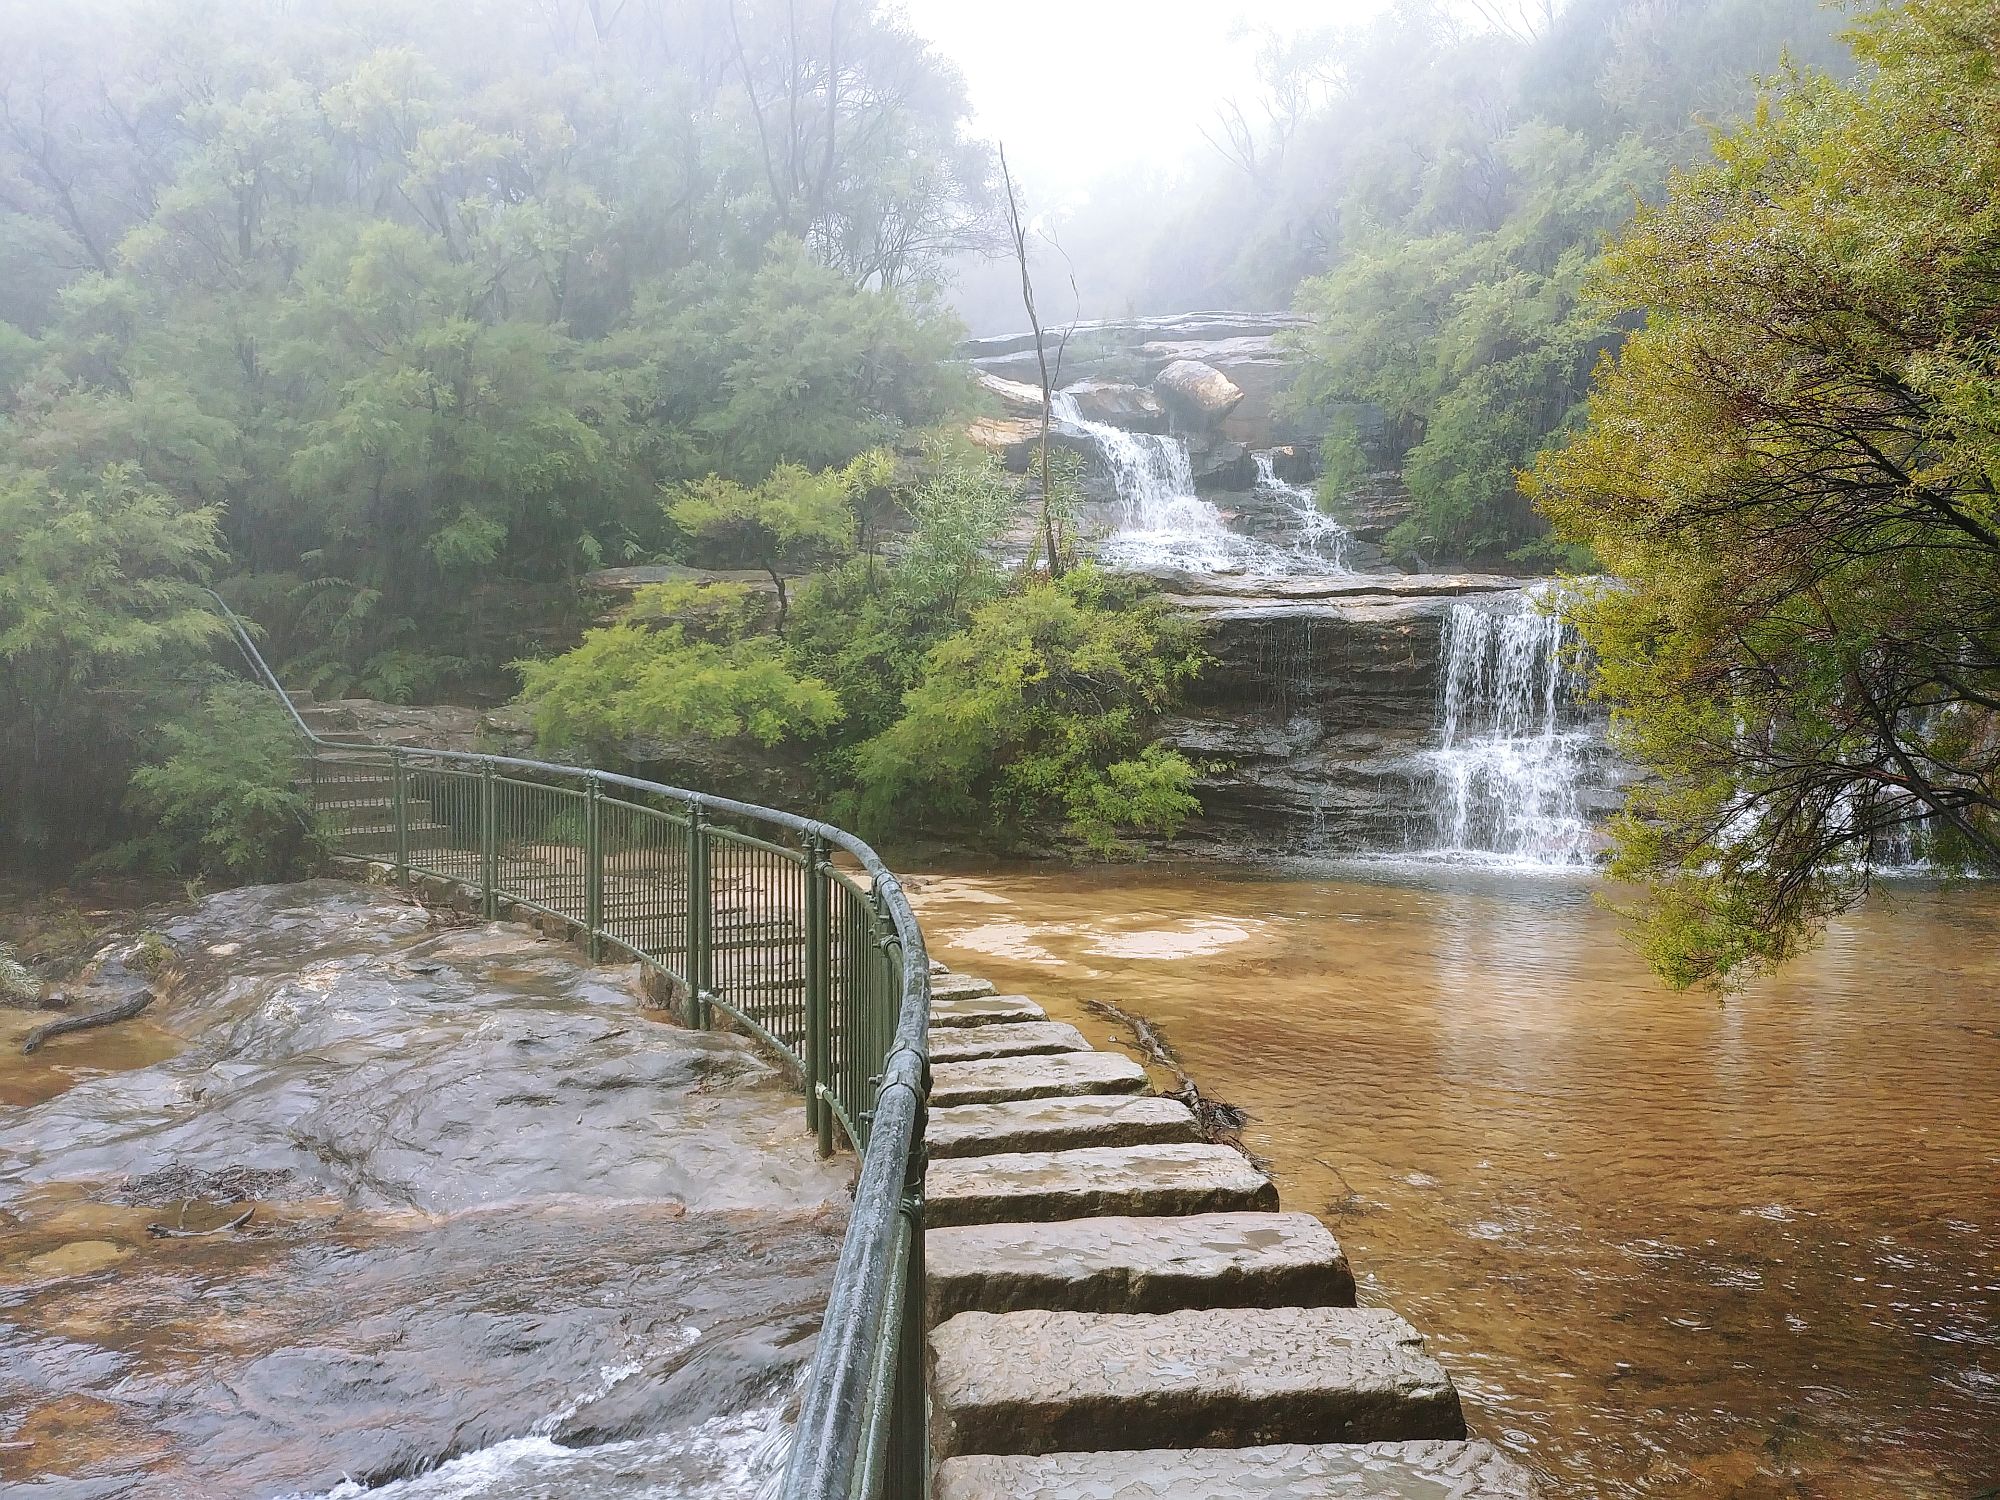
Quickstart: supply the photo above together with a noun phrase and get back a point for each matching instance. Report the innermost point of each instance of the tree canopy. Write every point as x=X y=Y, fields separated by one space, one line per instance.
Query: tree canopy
x=1791 y=469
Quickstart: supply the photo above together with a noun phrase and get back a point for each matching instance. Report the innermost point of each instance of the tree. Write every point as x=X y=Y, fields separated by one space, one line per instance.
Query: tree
x=1034 y=721
x=101 y=615
x=1792 y=470
x=794 y=522
x=686 y=666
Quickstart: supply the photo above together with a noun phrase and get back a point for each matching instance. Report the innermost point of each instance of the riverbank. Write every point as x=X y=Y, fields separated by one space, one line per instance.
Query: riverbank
x=1664 y=1246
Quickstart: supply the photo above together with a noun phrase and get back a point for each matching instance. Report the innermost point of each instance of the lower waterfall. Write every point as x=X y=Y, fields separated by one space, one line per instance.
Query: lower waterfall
x=1513 y=739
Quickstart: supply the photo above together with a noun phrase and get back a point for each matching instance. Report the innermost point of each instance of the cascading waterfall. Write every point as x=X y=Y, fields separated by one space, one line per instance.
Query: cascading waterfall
x=1166 y=524
x=1321 y=539
x=1512 y=740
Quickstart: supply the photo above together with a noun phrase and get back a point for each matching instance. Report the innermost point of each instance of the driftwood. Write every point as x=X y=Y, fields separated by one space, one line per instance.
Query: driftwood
x=123 y=1011
x=1218 y=1121
x=180 y=1231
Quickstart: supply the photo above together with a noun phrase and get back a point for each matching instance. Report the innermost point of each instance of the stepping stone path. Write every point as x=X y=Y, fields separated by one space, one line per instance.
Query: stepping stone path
x=1119 y=1312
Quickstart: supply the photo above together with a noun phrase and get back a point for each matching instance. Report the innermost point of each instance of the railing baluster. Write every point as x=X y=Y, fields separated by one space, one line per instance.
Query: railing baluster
x=399 y=803
x=593 y=867
x=701 y=955
x=819 y=976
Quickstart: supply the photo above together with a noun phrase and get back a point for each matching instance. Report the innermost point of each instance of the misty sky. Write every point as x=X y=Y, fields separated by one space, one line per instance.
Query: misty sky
x=1076 y=87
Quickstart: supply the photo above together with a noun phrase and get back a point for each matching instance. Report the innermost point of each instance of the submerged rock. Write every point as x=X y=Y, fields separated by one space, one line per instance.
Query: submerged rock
x=497 y=1208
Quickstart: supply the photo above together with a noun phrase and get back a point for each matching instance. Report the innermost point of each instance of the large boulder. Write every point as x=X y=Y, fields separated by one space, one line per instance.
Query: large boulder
x=1222 y=466
x=1015 y=440
x=1117 y=404
x=1197 y=393
x=1016 y=398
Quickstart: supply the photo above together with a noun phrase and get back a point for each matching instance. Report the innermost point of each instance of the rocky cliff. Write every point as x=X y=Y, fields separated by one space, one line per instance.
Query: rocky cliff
x=1319 y=711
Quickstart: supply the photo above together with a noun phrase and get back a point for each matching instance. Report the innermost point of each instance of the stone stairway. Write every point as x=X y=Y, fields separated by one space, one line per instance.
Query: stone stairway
x=1118 y=1309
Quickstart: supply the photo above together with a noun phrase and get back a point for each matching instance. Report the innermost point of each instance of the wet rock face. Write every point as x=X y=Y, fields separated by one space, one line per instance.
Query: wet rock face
x=1318 y=704
x=1242 y=353
x=494 y=1202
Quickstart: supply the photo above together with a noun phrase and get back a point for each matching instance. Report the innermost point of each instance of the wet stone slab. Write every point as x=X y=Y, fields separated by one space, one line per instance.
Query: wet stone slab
x=1059 y=1124
x=959 y=987
x=984 y=1010
x=1285 y=1471
x=1137 y=1265
x=991 y=1079
x=1055 y=1382
x=1045 y=1185
x=1026 y=1039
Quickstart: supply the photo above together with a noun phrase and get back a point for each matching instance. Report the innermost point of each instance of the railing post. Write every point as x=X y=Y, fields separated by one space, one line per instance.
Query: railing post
x=593 y=867
x=819 y=994
x=489 y=841
x=700 y=919
x=399 y=801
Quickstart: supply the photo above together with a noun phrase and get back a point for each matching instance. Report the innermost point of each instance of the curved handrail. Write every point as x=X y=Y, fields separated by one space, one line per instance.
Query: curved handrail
x=860 y=1430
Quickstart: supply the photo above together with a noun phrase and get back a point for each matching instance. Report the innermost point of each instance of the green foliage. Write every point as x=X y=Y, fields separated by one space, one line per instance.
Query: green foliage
x=100 y=611
x=18 y=985
x=1792 y=467
x=426 y=304
x=683 y=670
x=221 y=800
x=1033 y=721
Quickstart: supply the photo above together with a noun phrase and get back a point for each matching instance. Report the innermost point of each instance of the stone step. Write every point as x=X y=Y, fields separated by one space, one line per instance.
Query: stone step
x=1059 y=1124
x=1019 y=1039
x=372 y=812
x=1136 y=1265
x=380 y=841
x=984 y=1010
x=1044 y=1185
x=949 y=986
x=994 y=1078
x=1057 y=1382
x=1285 y=1471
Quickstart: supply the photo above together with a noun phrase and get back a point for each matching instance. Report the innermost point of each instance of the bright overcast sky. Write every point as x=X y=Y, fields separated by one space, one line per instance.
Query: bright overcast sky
x=1077 y=87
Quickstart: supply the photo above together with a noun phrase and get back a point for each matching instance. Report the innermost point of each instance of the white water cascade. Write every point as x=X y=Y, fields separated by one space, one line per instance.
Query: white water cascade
x=1513 y=742
x=1166 y=524
x=1322 y=541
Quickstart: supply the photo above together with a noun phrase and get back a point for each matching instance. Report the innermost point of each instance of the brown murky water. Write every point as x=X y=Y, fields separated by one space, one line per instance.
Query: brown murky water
x=1666 y=1246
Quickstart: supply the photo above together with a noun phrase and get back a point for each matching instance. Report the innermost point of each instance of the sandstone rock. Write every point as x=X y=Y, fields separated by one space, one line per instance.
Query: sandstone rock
x=1118 y=405
x=983 y=1010
x=949 y=986
x=1021 y=1039
x=1059 y=1124
x=992 y=1079
x=1289 y=1471
x=1144 y=1180
x=1222 y=466
x=1017 y=398
x=1137 y=1265
x=1295 y=463
x=1197 y=393
x=1050 y=1382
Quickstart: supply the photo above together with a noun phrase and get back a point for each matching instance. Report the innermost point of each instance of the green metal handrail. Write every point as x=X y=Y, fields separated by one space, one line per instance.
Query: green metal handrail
x=739 y=908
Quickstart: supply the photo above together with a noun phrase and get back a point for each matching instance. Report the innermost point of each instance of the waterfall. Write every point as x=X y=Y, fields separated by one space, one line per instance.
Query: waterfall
x=1166 y=524
x=1321 y=541
x=1513 y=743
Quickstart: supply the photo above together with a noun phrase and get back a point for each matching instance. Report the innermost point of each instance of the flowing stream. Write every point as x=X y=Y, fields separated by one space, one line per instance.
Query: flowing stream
x=1666 y=1246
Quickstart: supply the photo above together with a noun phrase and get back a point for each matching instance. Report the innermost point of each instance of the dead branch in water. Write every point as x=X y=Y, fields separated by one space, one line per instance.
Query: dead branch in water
x=1218 y=1121
x=181 y=1232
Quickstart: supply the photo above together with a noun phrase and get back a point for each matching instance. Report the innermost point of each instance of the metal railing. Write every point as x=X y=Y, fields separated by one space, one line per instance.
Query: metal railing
x=793 y=928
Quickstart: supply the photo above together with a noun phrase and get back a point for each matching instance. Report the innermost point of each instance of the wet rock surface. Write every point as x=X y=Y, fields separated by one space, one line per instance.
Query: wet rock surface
x=1049 y=1382
x=501 y=1217
x=1284 y=1471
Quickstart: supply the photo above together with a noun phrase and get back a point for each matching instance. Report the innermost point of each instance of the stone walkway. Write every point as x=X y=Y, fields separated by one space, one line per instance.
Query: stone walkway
x=1119 y=1312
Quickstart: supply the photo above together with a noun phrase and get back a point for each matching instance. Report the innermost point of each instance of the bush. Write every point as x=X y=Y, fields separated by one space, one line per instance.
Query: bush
x=1035 y=721
x=222 y=801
